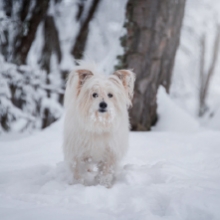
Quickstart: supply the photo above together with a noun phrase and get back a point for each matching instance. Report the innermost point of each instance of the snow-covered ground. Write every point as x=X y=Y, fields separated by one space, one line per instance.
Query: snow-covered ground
x=170 y=173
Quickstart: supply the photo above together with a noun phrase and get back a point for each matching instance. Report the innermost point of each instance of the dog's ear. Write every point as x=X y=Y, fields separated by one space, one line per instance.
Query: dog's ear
x=83 y=75
x=79 y=76
x=127 y=78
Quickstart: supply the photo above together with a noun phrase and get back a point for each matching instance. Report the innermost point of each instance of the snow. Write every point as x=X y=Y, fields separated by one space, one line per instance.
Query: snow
x=212 y=122
x=215 y=121
x=165 y=175
x=172 y=117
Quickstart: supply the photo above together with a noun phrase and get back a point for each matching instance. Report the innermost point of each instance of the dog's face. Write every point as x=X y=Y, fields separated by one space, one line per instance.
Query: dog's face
x=102 y=100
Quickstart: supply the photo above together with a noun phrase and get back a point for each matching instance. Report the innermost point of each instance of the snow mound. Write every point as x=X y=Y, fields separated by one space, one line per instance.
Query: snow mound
x=171 y=117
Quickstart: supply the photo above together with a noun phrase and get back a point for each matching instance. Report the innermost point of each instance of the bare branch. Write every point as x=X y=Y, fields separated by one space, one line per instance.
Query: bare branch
x=202 y=71
x=206 y=83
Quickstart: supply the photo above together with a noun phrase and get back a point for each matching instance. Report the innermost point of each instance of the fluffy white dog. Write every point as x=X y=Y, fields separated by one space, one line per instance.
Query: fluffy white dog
x=96 y=126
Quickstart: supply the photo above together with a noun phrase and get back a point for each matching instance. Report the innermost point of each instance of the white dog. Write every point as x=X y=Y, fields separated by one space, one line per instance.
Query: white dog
x=96 y=126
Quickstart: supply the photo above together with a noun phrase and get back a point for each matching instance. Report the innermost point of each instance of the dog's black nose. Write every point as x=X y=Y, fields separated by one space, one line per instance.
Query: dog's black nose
x=103 y=105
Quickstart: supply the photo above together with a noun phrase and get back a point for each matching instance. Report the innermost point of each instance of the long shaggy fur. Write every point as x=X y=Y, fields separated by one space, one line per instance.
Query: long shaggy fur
x=95 y=141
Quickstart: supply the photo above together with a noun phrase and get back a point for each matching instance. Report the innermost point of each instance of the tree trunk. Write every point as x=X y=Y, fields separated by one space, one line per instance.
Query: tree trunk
x=4 y=43
x=24 y=41
x=82 y=36
x=153 y=32
x=51 y=43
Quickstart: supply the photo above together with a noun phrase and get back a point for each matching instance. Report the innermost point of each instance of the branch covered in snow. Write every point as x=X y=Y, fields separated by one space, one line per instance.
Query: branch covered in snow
x=23 y=98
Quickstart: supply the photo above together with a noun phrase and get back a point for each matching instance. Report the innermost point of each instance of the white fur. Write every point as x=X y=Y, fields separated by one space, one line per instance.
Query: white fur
x=95 y=142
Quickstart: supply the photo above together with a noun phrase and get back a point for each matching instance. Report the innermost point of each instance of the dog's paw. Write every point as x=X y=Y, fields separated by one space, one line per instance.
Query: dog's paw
x=106 y=180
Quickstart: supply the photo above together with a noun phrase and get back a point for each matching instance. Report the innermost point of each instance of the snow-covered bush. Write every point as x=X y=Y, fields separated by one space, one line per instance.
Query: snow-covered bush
x=25 y=98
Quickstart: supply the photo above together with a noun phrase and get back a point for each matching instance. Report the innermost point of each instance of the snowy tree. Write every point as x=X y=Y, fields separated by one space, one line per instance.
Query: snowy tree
x=39 y=41
x=32 y=95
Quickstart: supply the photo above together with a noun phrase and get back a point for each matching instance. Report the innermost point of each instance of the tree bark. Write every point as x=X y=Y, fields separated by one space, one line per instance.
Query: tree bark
x=81 y=7
x=153 y=32
x=4 y=43
x=82 y=36
x=51 y=45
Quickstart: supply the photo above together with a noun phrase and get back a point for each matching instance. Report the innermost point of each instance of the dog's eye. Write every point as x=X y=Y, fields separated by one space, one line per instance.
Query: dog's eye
x=95 y=95
x=110 y=95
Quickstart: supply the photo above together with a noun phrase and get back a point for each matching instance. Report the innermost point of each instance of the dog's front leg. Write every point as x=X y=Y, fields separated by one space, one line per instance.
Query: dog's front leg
x=107 y=169
x=76 y=170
